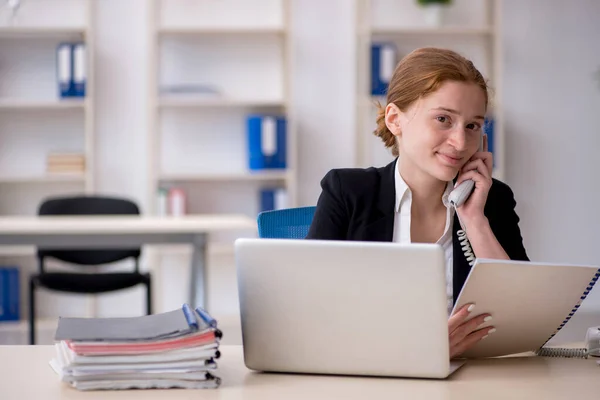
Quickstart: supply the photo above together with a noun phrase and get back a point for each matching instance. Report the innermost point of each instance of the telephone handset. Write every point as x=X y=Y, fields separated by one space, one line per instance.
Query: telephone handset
x=461 y=193
x=457 y=197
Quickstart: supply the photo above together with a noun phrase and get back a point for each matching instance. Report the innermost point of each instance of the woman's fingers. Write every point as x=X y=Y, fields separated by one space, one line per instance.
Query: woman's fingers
x=466 y=328
x=459 y=317
x=480 y=165
x=470 y=340
x=475 y=176
x=488 y=161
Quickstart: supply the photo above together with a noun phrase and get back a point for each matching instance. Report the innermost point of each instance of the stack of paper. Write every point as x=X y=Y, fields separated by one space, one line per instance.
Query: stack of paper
x=176 y=349
x=65 y=163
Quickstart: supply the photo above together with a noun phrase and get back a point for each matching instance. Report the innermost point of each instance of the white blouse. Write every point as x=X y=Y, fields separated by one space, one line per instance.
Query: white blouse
x=402 y=227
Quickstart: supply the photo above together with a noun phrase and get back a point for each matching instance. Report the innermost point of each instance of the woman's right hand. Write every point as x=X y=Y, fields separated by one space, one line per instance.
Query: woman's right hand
x=464 y=335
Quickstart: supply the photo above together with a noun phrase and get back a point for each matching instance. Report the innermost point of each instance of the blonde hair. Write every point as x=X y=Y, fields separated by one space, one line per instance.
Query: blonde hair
x=420 y=73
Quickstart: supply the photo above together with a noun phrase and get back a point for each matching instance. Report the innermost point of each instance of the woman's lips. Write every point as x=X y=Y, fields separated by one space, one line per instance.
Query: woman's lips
x=450 y=160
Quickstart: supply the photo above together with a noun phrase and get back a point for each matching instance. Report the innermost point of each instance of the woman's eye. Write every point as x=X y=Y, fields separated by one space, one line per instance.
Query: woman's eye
x=473 y=127
x=442 y=119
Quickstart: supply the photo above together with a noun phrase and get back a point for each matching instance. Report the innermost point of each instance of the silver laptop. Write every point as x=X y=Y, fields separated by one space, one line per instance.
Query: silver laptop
x=342 y=307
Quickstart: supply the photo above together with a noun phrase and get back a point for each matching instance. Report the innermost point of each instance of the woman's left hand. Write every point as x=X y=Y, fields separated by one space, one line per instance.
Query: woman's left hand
x=479 y=169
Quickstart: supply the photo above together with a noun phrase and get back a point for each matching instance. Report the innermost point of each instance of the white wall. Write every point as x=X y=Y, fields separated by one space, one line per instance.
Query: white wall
x=552 y=102
x=324 y=89
x=121 y=93
x=121 y=119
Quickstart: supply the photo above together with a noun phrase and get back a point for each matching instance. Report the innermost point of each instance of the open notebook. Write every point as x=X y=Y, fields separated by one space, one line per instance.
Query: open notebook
x=529 y=302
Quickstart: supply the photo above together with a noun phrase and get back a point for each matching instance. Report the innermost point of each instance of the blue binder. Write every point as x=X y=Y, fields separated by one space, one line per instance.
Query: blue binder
x=71 y=72
x=383 y=63
x=273 y=199
x=64 y=69
x=266 y=142
x=79 y=69
x=488 y=128
x=9 y=294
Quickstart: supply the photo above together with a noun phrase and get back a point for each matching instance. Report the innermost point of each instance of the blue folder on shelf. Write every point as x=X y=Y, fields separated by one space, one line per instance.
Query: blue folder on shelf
x=71 y=72
x=79 y=69
x=383 y=63
x=64 y=69
x=488 y=128
x=273 y=199
x=9 y=294
x=266 y=142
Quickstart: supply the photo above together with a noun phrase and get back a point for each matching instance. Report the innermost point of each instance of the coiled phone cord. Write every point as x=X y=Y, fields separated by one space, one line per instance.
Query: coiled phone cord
x=563 y=352
x=466 y=247
x=464 y=242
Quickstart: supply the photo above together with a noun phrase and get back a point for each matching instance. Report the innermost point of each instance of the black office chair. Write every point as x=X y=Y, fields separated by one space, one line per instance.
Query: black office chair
x=86 y=282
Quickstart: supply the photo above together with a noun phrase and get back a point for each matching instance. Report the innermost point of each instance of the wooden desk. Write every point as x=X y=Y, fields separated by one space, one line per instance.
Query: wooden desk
x=124 y=232
x=25 y=374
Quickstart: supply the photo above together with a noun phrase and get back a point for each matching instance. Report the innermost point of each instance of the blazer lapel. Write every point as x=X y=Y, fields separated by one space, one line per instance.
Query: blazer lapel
x=381 y=227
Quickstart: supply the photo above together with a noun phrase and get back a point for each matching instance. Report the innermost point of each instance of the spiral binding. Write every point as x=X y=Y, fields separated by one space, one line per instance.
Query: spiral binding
x=587 y=291
x=562 y=352
x=466 y=247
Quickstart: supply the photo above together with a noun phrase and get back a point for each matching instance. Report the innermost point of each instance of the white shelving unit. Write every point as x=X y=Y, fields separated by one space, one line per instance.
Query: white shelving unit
x=34 y=120
x=49 y=178
x=471 y=28
x=232 y=177
x=219 y=31
x=239 y=51
x=175 y=102
x=28 y=104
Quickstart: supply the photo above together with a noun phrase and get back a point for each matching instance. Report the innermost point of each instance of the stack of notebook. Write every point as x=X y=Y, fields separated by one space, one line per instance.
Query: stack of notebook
x=176 y=349
x=65 y=163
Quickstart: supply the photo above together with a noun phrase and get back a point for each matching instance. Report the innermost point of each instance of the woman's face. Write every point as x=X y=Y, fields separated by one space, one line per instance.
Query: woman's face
x=439 y=133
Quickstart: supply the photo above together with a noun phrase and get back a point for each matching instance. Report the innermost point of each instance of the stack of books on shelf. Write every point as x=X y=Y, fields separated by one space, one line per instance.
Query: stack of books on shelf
x=176 y=349
x=65 y=163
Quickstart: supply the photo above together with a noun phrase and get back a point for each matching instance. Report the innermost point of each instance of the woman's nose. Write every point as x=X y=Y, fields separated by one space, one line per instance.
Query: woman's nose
x=458 y=139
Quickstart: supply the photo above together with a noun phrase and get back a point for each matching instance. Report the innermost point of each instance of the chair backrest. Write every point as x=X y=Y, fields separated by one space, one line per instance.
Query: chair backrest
x=289 y=223
x=88 y=205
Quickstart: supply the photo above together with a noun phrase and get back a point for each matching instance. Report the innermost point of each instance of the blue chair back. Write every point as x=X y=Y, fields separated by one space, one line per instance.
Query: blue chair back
x=289 y=223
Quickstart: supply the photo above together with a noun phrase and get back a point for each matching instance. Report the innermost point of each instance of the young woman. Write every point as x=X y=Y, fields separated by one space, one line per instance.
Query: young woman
x=436 y=103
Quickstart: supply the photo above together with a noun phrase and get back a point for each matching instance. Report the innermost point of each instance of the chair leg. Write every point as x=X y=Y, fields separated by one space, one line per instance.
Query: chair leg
x=32 y=311
x=149 y=295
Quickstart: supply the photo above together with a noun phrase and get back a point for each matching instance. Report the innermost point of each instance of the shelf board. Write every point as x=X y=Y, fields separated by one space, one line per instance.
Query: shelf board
x=40 y=32
x=48 y=178
x=229 y=177
x=16 y=251
x=23 y=325
x=29 y=104
x=191 y=102
x=213 y=250
x=447 y=30
x=185 y=31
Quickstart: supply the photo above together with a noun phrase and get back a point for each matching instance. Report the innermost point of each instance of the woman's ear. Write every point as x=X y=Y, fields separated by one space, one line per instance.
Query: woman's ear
x=393 y=118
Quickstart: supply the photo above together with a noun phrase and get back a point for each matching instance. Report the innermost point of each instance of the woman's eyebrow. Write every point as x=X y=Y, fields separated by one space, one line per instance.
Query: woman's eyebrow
x=450 y=110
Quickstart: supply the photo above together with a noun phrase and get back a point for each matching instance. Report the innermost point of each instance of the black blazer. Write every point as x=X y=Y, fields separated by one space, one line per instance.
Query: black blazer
x=358 y=204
